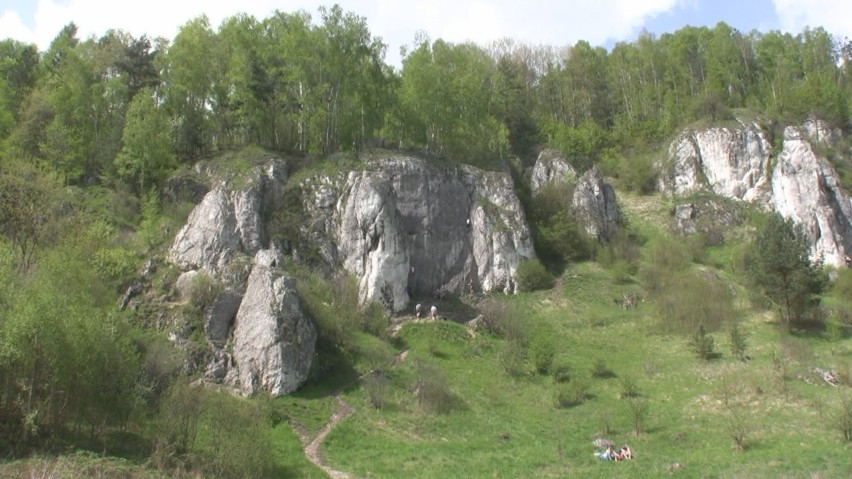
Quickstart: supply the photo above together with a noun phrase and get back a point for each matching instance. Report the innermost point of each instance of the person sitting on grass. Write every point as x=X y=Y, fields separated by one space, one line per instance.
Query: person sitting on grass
x=625 y=453
x=608 y=454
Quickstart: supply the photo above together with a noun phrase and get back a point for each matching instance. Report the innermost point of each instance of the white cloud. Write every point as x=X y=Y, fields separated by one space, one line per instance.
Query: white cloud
x=833 y=15
x=481 y=21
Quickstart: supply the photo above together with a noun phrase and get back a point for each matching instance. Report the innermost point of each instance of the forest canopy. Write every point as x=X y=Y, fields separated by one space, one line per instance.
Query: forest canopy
x=314 y=86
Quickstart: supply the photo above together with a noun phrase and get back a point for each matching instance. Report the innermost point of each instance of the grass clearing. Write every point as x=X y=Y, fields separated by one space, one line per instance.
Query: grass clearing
x=767 y=416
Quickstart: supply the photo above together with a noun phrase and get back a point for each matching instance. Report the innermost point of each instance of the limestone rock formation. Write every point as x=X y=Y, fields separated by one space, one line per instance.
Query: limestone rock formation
x=595 y=205
x=273 y=340
x=406 y=226
x=228 y=220
x=731 y=162
x=551 y=167
x=256 y=307
x=805 y=187
x=734 y=163
x=594 y=201
x=371 y=242
x=403 y=226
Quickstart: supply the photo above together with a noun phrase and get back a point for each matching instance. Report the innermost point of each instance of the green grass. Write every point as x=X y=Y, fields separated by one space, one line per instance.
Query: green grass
x=504 y=425
x=508 y=426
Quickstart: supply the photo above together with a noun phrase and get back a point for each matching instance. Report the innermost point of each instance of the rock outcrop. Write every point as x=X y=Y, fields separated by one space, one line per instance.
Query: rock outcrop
x=273 y=340
x=595 y=205
x=594 y=202
x=735 y=163
x=551 y=167
x=806 y=188
x=256 y=308
x=410 y=227
x=732 y=162
x=403 y=226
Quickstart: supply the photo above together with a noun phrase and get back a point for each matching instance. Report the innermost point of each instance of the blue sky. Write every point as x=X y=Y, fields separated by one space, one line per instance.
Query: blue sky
x=557 y=23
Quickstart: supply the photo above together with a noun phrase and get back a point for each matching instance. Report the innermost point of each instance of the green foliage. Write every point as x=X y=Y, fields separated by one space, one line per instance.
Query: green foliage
x=27 y=203
x=600 y=369
x=583 y=145
x=842 y=417
x=203 y=289
x=702 y=344
x=557 y=234
x=739 y=340
x=445 y=107
x=574 y=393
x=334 y=306
x=146 y=156
x=778 y=264
x=621 y=254
x=432 y=391
x=542 y=350
x=532 y=275
x=72 y=356
x=212 y=432
x=232 y=441
x=694 y=299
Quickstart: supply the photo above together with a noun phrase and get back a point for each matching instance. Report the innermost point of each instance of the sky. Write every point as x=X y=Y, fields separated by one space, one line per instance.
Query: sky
x=550 y=22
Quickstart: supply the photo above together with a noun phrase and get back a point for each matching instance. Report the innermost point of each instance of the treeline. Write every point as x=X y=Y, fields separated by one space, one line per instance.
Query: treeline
x=130 y=109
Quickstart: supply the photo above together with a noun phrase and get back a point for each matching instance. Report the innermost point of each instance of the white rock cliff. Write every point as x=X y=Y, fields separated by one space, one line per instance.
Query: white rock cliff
x=802 y=185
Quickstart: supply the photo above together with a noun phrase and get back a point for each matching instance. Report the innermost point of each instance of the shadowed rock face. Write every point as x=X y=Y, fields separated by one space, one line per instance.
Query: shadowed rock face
x=734 y=162
x=410 y=227
x=596 y=206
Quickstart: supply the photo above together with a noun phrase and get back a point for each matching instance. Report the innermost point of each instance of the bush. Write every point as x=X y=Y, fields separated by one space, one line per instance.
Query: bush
x=377 y=387
x=629 y=388
x=203 y=290
x=689 y=300
x=561 y=373
x=513 y=358
x=572 y=394
x=842 y=418
x=431 y=390
x=233 y=440
x=601 y=370
x=738 y=339
x=639 y=411
x=557 y=235
x=532 y=275
x=703 y=344
x=541 y=352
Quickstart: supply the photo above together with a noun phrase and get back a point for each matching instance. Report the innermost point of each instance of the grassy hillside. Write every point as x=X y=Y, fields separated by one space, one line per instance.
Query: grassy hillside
x=485 y=413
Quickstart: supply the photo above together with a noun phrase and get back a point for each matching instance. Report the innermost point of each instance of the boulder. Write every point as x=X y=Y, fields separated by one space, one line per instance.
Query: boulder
x=551 y=167
x=273 y=340
x=595 y=205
